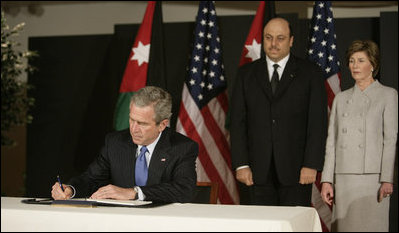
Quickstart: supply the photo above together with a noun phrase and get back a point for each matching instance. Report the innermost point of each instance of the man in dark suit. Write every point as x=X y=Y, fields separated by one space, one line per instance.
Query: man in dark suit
x=278 y=122
x=148 y=161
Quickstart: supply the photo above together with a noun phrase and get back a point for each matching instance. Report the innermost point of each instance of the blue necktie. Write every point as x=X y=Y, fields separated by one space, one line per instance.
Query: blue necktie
x=141 y=171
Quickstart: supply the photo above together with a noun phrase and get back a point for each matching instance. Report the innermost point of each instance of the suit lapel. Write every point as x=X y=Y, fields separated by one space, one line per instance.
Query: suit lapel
x=131 y=161
x=263 y=81
x=159 y=159
x=287 y=77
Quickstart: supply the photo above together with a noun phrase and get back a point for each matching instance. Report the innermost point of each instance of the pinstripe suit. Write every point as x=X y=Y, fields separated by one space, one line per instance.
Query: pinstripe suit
x=171 y=174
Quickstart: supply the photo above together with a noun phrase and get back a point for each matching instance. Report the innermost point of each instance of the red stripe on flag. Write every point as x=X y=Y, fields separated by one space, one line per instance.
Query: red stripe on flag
x=224 y=102
x=217 y=134
x=330 y=94
x=212 y=172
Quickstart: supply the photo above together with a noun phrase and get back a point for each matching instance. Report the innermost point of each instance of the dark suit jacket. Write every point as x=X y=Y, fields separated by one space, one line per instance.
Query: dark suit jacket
x=171 y=174
x=291 y=125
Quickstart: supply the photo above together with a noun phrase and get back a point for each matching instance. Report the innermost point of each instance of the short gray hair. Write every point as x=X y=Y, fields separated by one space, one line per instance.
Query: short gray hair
x=160 y=99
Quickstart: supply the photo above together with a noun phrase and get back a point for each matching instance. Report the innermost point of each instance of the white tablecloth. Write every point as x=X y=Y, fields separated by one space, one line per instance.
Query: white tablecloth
x=17 y=216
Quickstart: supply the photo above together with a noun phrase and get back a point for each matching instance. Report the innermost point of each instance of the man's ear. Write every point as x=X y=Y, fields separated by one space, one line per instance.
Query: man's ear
x=163 y=124
x=291 y=41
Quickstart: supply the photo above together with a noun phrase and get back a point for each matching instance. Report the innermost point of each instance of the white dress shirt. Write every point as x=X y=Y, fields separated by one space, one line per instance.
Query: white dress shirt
x=280 y=69
x=148 y=154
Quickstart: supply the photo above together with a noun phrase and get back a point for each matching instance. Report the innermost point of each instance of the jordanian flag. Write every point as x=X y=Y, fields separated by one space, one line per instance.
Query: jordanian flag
x=145 y=64
x=252 y=49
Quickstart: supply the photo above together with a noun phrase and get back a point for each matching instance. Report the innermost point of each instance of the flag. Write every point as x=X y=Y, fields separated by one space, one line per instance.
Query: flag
x=204 y=106
x=253 y=45
x=145 y=65
x=323 y=51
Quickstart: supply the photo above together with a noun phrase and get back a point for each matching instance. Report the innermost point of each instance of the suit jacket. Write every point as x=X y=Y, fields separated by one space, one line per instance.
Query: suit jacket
x=290 y=126
x=171 y=173
x=362 y=133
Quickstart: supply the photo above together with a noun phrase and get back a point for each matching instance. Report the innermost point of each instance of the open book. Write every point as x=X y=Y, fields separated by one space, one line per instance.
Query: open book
x=88 y=202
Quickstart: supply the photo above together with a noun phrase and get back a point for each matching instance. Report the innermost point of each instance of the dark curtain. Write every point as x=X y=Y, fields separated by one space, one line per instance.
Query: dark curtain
x=78 y=78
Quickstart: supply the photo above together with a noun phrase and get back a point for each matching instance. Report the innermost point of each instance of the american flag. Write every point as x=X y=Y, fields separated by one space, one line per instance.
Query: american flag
x=204 y=106
x=323 y=51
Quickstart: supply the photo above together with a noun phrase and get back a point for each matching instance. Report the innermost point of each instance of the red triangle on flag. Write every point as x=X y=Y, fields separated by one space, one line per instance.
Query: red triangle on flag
x=252 y=47
x=135 y=76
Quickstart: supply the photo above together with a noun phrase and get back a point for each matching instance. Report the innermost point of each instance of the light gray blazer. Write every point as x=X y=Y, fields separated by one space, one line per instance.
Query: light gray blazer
x=362 y=133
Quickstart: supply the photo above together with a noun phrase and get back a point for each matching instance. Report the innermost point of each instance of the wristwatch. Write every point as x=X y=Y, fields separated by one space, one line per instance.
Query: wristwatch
x=136 y=196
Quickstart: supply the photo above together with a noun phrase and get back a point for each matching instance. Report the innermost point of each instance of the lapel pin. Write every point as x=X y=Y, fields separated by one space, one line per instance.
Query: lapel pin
x=163 y=160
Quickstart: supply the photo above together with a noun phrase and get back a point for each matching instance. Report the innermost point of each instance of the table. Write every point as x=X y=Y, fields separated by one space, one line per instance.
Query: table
x=17 y=216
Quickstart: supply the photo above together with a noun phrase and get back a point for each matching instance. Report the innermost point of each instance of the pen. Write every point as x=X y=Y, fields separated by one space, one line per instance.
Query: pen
x=59 y=181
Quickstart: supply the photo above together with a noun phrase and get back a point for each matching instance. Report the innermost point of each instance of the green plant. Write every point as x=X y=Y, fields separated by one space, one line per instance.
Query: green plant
x=15 y=102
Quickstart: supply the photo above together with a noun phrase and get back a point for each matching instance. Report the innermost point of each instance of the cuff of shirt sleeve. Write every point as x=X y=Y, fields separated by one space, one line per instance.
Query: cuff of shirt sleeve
x=241 y=167
x=140 y=193
x=73 y=189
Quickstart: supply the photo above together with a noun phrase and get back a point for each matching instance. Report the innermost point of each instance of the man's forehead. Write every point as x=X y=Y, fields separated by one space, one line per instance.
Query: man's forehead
x=277 y=24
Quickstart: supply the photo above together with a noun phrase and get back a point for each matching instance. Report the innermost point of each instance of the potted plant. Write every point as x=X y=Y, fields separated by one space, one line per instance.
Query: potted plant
x=15 y=102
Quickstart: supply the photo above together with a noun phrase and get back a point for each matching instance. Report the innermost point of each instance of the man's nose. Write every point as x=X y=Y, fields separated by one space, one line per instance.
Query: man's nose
x=274 y=42
x=134 y=126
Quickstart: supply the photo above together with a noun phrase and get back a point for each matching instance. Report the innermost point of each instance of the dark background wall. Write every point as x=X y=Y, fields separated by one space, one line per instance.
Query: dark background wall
x=77 y=84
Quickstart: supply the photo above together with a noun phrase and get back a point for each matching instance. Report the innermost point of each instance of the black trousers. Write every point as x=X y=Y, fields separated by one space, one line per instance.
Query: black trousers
x=273 y=193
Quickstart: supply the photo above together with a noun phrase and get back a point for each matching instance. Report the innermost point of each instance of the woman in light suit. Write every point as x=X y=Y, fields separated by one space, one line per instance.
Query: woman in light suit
x=361 y=146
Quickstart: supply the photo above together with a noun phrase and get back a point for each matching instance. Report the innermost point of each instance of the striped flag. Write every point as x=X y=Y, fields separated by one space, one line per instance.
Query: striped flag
x=253 y=45
x=204 y=106
x=323 y=51
x=145 y=64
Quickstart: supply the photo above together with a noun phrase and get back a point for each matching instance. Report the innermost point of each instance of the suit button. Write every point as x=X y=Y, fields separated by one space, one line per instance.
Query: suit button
x=345 y=114
x=360 y=130
x=273 y=121
x=361 y=146
x=344 y=130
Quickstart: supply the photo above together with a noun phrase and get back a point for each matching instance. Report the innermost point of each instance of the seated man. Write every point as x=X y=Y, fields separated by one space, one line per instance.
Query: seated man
x=147 y=162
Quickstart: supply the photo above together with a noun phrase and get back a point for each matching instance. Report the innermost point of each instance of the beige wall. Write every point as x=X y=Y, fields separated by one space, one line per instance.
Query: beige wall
x=55 y=18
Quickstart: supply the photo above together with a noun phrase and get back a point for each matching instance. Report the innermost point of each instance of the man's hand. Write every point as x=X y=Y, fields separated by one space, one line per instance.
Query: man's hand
x=114 y=192
x=327 y=193
x=244 y=175
x=58 y=194
x=308 y=175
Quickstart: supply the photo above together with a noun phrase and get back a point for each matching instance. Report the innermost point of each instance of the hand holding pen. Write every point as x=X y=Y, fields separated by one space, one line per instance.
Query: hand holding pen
x=59 y=193
x=59 y=181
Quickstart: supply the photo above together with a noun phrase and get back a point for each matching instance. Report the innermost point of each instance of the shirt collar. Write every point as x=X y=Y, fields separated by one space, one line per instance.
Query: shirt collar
x=281 y=63
x=151 y=146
